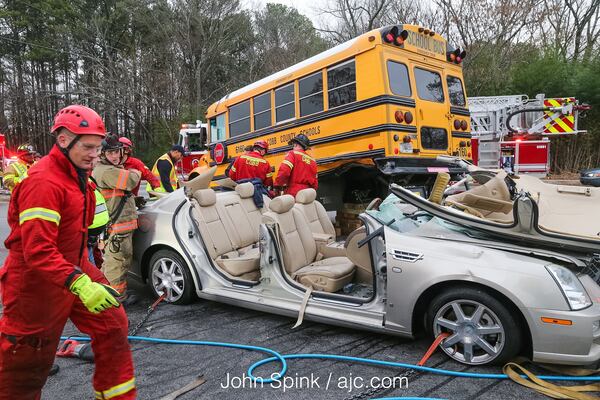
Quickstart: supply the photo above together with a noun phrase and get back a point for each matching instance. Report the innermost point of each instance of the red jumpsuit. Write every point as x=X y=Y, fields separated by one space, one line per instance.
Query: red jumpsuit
x=252 y=165
x=297 y=171
x=147 y=175
x=48 y=216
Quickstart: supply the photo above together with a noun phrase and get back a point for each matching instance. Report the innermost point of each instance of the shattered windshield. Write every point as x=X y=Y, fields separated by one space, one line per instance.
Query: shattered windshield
x=408 y=218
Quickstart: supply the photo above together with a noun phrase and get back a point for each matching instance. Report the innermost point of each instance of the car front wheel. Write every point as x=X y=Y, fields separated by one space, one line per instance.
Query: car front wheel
x=170 y=275
x=480 y=329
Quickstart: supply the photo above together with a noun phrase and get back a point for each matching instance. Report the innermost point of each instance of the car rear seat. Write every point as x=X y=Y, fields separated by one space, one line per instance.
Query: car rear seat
x=319 y=223
x=299 y=249
x=230 y=237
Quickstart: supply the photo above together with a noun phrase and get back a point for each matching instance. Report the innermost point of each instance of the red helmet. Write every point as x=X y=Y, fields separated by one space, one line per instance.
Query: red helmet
x=262 y=144
x=80 y=120
x=126 y=142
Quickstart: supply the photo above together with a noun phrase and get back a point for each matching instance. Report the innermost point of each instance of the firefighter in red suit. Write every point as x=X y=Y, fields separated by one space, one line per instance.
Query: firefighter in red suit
x=298 y=170
x=47 y=277
x=253 y=165
x=137 y=164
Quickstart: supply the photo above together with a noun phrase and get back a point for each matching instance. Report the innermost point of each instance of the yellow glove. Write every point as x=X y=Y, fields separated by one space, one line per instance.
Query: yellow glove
x=95 y=296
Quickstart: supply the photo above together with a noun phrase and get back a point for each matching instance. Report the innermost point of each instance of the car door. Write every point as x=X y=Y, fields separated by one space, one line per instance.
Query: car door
x=432 y=109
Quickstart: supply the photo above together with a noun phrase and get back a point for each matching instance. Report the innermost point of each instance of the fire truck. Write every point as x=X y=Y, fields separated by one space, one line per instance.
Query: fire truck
x=513 y=132
x=193 y=139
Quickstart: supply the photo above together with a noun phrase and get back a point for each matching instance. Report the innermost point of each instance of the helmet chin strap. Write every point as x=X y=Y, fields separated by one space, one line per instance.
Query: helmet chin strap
x=66 y=150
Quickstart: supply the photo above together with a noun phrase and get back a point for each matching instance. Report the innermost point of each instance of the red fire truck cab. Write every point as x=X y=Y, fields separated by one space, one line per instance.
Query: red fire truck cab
x=193 y=139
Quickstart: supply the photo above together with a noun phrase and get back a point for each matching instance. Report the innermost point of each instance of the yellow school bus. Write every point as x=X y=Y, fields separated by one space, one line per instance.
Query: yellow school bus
x=378 y=108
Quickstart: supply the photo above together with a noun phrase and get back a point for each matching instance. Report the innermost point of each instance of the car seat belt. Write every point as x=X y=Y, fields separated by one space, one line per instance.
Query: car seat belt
x=303 y=305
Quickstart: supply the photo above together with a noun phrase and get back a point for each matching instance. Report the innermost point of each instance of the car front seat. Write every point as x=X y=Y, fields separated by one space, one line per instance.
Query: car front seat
x=299 y=250
x=319 y=223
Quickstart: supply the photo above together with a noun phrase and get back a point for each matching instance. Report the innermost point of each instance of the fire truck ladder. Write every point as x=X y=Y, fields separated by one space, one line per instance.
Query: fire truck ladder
x=495 y=117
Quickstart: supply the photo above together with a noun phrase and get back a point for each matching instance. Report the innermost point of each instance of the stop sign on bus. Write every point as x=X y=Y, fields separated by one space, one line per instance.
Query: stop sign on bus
x=219 y=153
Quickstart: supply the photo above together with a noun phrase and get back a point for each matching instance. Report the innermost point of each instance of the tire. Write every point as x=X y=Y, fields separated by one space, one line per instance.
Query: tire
x=498 y=344
x=176 y=275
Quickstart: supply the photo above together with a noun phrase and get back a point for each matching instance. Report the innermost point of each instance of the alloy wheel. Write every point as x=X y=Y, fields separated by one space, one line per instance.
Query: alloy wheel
x=167 y=277
x=476 y=334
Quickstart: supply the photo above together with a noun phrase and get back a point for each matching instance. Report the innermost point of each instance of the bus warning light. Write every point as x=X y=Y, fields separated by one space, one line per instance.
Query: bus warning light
x=463 y=125
x=456 y=124
x=408 y=117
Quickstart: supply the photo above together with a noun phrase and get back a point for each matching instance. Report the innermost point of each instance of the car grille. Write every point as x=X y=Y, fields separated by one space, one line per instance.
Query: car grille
x=593 y=268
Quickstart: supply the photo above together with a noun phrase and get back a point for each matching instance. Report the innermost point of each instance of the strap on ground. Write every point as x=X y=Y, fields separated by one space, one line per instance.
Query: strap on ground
x=199 y=380
x=514 y=370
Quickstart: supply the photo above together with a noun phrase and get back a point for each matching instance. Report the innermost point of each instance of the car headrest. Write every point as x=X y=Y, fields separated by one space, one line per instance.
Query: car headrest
x=206 y=197
x=306 y=196
x=245 y=190
x=282 y=204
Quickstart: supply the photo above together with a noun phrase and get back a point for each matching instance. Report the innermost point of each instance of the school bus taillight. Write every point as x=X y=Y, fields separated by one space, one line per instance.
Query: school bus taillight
x=399 y=116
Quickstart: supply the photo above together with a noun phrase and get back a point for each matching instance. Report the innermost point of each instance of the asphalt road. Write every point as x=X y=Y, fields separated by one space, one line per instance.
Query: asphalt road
x=162 y=369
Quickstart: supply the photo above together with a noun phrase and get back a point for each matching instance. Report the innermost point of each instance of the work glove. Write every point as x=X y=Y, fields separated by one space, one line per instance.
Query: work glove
x=96 y=297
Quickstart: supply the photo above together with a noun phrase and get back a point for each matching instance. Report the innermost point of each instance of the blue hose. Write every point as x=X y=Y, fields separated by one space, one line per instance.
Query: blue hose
x=274 y=377
x=282 y=360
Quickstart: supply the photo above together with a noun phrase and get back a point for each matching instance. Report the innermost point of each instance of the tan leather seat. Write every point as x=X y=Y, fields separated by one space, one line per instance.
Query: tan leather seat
x=359 y=256
x=300 y=250
x=319 y=223
x=246 y=193
x=233 y=246
x=490 y=201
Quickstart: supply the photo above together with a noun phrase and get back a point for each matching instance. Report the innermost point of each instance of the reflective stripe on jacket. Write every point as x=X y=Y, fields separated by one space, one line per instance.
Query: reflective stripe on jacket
x=172 y=174
x=297 y=171
x=252 y=165
x=15 y=174
x=101 y=216
x=114 y=183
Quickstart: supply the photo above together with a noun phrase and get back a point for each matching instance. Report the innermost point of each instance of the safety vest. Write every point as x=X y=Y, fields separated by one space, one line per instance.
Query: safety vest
x=19 y=175
x=101 y=216
x=172 y=175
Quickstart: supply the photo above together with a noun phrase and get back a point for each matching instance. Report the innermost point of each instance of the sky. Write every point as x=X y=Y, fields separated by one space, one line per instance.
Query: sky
x=305 y=7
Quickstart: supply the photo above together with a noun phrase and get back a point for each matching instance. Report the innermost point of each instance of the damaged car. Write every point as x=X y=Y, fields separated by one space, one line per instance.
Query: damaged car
x=506 y=265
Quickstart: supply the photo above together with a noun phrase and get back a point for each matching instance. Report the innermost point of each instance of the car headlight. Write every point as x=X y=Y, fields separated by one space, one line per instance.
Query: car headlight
x=571 y=287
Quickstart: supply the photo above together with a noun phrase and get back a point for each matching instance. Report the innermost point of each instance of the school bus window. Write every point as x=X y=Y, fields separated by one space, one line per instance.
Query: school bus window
x=217 y=128
x=262 y=111
x=398 y=77
x=284 y=103
x=455 y=91
x=434 y=138
x=310 y=91
x=239 y=119
x=429 y=85
x=341 y=84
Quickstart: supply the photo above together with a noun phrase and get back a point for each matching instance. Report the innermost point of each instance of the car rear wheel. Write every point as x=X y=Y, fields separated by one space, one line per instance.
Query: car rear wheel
x=169 y=274
x=481 y=329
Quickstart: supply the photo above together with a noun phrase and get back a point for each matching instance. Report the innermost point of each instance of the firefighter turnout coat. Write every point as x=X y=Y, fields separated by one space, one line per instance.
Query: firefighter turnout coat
x=49 y=214
x=252 y=165
x=114 y=184
x=297 y=171
x=147 y=175
x=15 y=173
